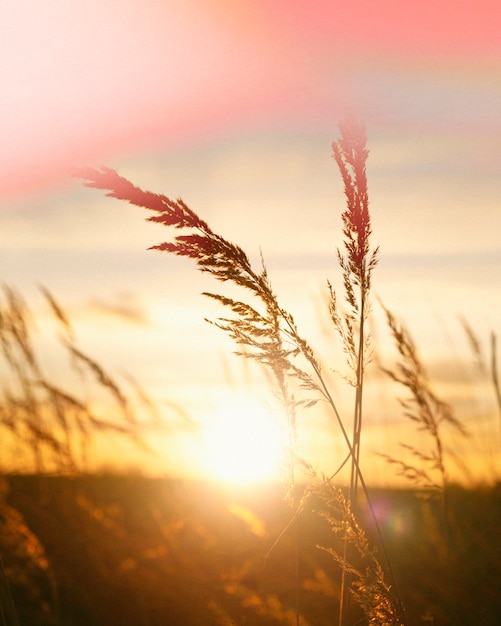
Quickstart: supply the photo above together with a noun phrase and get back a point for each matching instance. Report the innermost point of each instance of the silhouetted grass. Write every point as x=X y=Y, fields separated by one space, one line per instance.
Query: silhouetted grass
x=108 y=550
x=47 y=426
x=267 y=333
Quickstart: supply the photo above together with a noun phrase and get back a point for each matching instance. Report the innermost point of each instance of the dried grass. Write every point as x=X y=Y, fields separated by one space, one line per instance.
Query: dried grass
x=267 y=333
x=49 y=427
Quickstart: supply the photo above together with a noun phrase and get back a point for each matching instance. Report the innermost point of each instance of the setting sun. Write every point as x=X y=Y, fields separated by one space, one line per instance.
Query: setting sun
x=242 y=444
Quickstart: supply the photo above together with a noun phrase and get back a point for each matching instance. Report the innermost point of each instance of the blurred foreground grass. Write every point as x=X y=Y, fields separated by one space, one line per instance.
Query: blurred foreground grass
x=110 y=550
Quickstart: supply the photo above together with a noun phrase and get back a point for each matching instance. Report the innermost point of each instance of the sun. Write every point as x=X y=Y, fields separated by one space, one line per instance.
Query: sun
x=242 y=444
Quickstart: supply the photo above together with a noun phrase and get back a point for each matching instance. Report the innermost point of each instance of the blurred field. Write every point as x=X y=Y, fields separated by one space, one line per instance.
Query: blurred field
x=110 y=550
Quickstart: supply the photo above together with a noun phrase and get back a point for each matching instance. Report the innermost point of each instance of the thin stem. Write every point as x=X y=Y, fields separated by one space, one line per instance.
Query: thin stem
x=357 y=422
x=495 y=377
x=324 y=390
x=292 y=444
x=357 y=432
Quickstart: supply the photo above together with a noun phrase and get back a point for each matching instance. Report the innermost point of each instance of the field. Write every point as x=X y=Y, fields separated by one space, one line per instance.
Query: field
x=110 y=550
x=84 y=547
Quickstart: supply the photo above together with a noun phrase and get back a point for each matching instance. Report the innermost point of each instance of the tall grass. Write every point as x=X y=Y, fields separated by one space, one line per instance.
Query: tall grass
x=267 y=333
x=46 y=424
x=487 y=365
x=429 y=413
x=357 y=264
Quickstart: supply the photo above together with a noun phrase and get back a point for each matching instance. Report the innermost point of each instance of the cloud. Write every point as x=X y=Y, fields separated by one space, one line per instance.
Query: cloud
x=123 y=306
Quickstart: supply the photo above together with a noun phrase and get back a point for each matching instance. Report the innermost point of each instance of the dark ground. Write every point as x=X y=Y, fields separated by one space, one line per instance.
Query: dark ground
x=111 y=550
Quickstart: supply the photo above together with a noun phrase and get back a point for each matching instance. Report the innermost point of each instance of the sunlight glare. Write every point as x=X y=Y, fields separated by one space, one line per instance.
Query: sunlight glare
x=243 y=444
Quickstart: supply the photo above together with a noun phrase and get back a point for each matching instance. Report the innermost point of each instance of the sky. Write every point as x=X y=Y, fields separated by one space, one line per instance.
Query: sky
x=233 y=107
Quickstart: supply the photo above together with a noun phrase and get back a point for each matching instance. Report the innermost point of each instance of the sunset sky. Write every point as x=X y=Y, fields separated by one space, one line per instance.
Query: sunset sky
x=233 y=107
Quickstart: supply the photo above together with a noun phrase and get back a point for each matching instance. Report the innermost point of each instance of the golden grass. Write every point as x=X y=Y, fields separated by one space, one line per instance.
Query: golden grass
x=46 y=426
x=267 y=333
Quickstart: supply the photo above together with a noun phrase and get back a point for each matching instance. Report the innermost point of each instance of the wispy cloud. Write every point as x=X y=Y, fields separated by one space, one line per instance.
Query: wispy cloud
x=123 y=306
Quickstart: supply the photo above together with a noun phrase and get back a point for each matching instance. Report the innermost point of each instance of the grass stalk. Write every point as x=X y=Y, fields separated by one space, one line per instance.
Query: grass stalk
x=50 y=425
x=495 y=377
x=351 y=154
x=427 y=467
x=267 y=333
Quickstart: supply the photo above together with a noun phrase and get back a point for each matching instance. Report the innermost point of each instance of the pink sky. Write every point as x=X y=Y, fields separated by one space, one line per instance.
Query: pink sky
x=82 y=82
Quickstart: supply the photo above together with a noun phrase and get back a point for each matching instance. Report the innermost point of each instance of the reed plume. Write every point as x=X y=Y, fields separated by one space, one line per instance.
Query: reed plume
x=262 y=329
x=425 y=409
x=357 y=263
